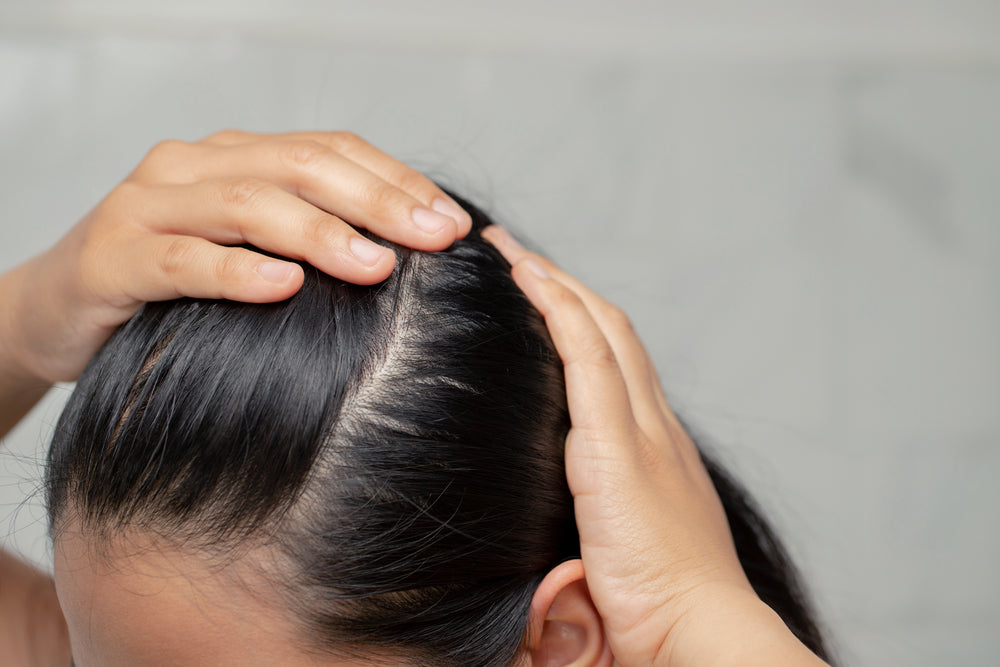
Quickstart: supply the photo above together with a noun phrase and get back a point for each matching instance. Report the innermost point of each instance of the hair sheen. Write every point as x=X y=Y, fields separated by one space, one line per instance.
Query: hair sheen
x=398 y=447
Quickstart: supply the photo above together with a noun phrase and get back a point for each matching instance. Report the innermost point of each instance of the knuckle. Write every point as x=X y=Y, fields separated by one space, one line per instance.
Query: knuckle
x=599 y=353
x=124 y=208
x=165 y=151
x=379 y=198
x=302 y=155
x=566 y=299
x=617 y=318
x=345 y=142
x=243 y=193
x=177 y=256
x=123 y=196
x=411 y=181
x=595 y=355
x=227 y=266
x=319 y=232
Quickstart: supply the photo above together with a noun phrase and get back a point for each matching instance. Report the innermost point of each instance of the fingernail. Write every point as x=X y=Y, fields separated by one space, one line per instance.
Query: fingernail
x=537 y=268
x=453 y=211
x=430 y=221
x=275 y=272
x=368 y=253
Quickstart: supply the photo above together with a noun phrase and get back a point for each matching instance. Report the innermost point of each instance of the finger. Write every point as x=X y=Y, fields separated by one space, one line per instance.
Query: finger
x=312 y=171
x=650 y=406
x=336 y=184
x=637 y=368
x=391 y=171
x=262 y=214
x=381 y=164
x=596 y=392
x=167 y=267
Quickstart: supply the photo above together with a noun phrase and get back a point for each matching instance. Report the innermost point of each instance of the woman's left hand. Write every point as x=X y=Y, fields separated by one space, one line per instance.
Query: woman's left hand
x=660 y=562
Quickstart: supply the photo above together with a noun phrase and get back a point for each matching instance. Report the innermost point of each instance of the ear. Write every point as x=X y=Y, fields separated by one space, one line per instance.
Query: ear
x=565 y=629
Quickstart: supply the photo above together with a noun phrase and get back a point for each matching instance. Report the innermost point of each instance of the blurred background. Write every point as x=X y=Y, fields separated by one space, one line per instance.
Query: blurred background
x=797 y=202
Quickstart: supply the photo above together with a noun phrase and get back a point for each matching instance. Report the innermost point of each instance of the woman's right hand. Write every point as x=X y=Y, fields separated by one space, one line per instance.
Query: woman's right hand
x=658 y=555
x=169 y=229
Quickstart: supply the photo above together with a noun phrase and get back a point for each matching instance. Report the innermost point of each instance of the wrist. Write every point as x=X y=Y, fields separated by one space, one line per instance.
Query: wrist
x=39 y=320
x=13 y=363
x=730 y=628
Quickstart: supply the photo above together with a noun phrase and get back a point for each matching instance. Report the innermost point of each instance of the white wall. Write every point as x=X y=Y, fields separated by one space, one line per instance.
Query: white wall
x=798 y=203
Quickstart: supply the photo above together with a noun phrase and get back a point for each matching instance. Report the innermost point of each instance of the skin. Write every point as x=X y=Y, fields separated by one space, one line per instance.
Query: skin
x=143 y=601
x=659 y=582
x=146 y=602
x=166 y=232
x=660 y=562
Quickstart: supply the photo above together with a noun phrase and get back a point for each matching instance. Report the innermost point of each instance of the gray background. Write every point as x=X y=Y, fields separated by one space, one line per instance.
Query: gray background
x=797 y=202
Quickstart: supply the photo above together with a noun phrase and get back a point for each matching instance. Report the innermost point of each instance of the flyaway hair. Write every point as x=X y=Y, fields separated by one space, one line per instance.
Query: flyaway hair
x=396 y=448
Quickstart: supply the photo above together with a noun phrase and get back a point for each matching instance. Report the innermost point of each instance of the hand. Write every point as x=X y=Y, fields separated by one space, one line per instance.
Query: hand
x=167 y=232
x=659 y=558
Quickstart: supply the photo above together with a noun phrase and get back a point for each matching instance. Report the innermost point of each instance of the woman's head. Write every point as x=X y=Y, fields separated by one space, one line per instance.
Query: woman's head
x=374 y=471
x=356 y=475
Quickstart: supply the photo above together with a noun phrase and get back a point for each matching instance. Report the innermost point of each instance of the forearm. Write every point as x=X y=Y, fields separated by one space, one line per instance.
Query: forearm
x=736 y=631
x=32 y=629
x=20 y=389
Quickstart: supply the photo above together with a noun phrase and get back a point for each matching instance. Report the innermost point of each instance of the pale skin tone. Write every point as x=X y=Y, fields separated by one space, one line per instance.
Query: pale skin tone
x=659 y=582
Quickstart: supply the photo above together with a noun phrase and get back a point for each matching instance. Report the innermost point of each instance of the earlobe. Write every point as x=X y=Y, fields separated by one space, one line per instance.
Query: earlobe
x=565 y=628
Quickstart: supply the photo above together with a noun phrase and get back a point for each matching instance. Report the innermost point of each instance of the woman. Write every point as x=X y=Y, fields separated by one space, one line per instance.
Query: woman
x=658 y=580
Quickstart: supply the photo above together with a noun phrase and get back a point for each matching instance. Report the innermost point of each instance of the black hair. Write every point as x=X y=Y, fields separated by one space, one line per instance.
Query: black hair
x=399 y=447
